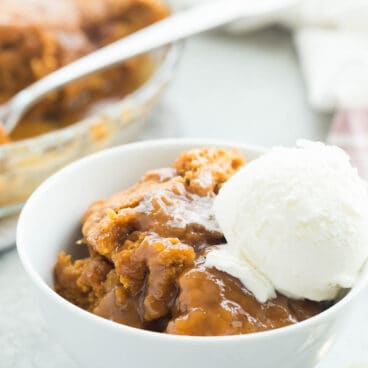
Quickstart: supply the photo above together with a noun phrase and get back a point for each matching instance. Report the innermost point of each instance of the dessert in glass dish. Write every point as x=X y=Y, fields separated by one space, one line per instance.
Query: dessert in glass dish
x=88 y=115
x=39 y=36
x=215 y=246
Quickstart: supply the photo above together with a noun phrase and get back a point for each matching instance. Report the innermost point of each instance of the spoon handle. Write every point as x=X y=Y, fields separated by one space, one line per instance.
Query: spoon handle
x=178 y=26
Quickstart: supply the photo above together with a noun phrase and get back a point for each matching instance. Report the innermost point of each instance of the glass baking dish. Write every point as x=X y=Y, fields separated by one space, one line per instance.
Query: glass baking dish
x=25 y=164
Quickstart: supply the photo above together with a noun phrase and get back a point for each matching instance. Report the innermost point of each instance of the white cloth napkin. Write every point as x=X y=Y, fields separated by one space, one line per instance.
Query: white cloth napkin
x=331 y=37
x=332 y=40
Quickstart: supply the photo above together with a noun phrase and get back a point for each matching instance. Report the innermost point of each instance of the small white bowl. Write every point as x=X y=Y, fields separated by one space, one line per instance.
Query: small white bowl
x=50 y=222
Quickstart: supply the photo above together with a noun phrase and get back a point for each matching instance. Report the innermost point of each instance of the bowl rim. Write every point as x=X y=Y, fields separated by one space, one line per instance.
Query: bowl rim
x=117 y=327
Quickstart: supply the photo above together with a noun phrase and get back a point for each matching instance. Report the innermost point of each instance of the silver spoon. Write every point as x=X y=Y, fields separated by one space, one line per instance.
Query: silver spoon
x=174 y=28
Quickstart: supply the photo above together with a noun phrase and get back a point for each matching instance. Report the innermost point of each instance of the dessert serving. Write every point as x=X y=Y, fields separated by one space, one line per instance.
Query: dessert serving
x=39 y=36
x=137 y=258
x=214 y=246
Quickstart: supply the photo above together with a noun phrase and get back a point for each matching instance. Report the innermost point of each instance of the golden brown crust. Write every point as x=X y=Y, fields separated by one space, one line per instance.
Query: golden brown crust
x=154 y=237
x=81 y=281
x=160 y=202
x=205 y=170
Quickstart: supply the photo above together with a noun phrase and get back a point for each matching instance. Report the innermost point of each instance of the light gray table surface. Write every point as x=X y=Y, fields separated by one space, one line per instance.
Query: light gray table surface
x=243 y=88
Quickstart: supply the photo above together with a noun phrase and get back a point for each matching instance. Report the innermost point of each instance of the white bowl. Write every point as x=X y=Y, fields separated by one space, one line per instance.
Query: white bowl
x=50 y=222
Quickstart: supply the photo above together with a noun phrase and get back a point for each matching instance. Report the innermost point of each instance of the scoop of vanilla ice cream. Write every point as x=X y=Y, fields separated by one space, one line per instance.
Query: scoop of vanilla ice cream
x=296 y=222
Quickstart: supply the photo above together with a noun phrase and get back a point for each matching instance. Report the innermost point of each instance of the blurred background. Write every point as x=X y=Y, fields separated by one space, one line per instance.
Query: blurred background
x=287 y=76
x=245 y=87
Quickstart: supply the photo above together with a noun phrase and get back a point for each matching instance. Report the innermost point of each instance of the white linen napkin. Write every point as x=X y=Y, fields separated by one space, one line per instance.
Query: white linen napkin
x=331 y=37
x=332 y=41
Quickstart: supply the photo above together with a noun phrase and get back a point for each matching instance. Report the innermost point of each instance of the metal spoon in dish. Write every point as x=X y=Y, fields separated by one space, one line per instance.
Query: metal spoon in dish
x=178 y=26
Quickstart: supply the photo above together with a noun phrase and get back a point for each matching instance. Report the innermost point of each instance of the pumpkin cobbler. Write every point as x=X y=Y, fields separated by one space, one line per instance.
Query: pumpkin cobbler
x=147 y=247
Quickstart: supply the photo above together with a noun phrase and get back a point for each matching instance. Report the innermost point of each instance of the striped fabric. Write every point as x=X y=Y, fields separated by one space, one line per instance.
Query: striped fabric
x=349 y=131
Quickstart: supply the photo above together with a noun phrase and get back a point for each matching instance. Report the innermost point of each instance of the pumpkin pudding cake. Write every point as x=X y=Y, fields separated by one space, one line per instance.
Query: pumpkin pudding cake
x=147 y=252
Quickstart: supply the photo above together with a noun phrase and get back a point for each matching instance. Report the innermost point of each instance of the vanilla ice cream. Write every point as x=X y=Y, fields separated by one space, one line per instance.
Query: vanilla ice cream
x=296 y=222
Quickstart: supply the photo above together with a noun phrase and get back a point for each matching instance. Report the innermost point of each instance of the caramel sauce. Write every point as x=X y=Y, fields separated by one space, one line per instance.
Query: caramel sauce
x=147 y=247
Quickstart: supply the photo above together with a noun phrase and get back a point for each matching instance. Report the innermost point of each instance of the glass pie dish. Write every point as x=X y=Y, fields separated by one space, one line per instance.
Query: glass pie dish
x=25 y=164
